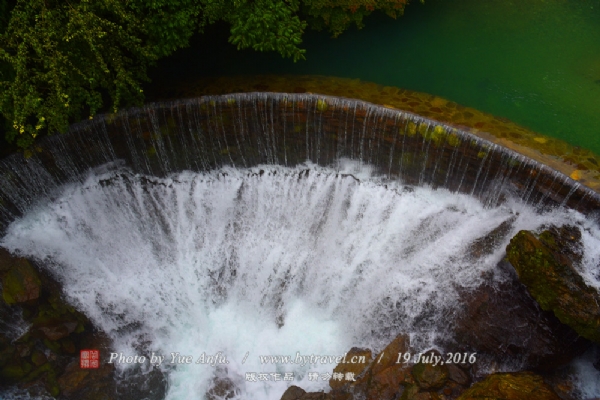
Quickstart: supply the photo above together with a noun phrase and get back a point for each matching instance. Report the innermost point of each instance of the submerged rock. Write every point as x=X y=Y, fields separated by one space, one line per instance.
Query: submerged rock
x=547 y=265
x=488 y=243
x=511 y=386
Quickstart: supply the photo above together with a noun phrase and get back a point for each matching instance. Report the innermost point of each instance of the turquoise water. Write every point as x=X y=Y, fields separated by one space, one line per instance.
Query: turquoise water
x=535 y=62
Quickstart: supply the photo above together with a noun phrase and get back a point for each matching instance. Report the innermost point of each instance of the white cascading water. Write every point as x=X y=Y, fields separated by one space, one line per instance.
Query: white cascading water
x=266 y=261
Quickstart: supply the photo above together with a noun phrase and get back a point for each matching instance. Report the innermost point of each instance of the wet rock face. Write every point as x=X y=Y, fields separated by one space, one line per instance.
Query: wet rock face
x=547 y=266
x=296 y=393
x=487 y=244
x=502 y=321
x=293 y=393
x=511 y=386
x=353 y=369
x=222 y=387
x=384 y=378
x=45 y=359
x=389 y=378
x=429 y=376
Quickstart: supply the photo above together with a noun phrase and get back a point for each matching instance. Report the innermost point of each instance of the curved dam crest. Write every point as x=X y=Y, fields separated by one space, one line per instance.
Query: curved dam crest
x=245 y=130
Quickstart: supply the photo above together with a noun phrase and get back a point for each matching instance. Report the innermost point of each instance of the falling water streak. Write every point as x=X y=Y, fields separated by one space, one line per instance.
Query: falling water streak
x=367 y=140
x=529 y=173
x=157 y=141
x=378 y=138
x=404 y=133
x=482 y=192
x=450 y=166
x=481 y=166
x=574 y=187
x=464 y=170
x=342 y=143
x=180 y=139
x=583 y=198
x=545 y=194
x=437 y=159
x=195 y=139
x=361 y=138
x=283 y=134
x=268 y=127
x=529 y=189
x=352 y=140
x=502 y=177
x=424 y=148
x=393 y=146
x=271 y=133
x=225 y=128
x=138 y=159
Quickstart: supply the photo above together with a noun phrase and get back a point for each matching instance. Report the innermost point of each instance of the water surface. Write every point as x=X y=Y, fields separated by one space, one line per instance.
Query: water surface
x=535 y=62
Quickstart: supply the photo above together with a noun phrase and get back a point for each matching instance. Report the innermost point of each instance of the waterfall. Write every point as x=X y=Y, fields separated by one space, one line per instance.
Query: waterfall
x=245 y=130
x=267 y=224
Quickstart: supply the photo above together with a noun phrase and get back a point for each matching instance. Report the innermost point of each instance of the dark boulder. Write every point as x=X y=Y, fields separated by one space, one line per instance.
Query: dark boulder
x=501 y=322
x=429 y=376
x=20 y=281
x=510 y=386
x=355 y=369
x=548 y=266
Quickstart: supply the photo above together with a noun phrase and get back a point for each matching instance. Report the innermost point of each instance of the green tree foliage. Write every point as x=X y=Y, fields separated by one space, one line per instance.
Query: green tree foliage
x=4 y=14
x=63 y=55
x=338 y=15
x=63 y=60
x=267 y=25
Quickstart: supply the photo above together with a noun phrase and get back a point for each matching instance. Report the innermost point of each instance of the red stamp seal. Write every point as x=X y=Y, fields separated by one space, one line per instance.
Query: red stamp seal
x=89 y=359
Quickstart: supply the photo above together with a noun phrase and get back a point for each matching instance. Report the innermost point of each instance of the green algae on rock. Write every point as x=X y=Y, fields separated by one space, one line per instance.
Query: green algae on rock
x=546 y=265
x=20 y=282
x=511 y=386
x=429 y=376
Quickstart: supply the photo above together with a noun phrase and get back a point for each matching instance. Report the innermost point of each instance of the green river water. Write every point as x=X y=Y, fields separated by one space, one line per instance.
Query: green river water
x=536 y=62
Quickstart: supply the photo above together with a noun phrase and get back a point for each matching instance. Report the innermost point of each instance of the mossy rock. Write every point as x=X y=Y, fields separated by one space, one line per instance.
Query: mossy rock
x=7 y=350
x=510 y=386
x=38 y=358
x=428 y=376
x=6 y=261
x=55 y=328
x=21 y=284
x=546 y=266
x=409 y=392
x=15 y=370
x=56 y=319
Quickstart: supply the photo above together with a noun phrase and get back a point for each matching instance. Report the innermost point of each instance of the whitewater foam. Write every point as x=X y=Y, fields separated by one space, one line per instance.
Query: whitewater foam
x=266 y=261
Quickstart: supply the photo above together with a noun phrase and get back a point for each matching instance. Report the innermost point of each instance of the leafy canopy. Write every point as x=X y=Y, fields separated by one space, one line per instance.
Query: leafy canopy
x=64 y=60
